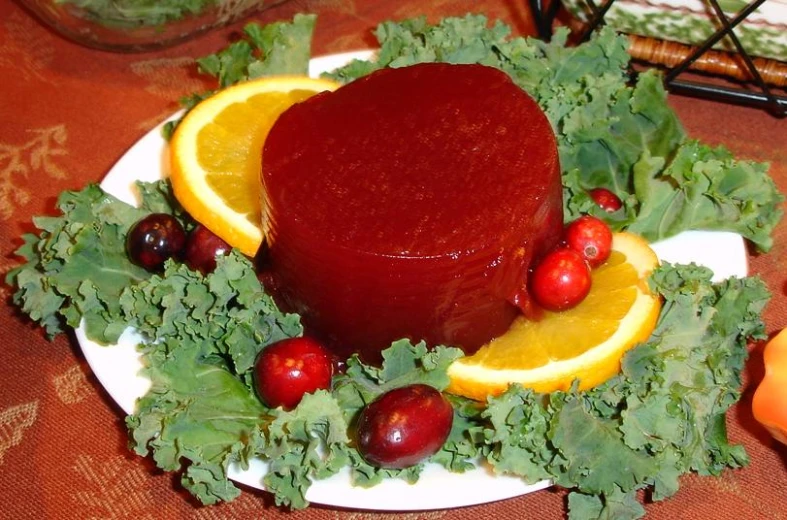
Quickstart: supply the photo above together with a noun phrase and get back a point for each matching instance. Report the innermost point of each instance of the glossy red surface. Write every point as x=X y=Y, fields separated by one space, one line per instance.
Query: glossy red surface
x=404 y=426
x=410 y=204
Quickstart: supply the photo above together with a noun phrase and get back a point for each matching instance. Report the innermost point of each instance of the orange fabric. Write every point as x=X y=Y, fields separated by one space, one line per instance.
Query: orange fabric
x=67 y=113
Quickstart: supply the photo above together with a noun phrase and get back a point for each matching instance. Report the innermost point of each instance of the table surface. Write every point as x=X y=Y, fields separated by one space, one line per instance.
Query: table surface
x=68 y=113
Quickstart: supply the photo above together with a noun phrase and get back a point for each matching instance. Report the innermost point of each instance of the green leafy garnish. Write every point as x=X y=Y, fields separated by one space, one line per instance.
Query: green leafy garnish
x=277 y=48
x=663 y=416
x=77 y=267
x=197 y=417
x=708 y=188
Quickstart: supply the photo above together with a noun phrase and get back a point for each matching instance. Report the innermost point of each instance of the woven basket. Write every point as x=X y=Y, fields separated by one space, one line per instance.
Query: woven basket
x=668 y=32
x=721 y=63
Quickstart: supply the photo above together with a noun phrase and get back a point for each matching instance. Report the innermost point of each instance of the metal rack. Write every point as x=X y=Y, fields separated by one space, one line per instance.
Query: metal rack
x=759 y=94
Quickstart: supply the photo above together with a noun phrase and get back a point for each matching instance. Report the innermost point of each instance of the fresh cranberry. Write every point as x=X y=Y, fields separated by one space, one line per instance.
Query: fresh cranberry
x=202 y=248
x=590 y=237
x=606 y=200
x=561 y=280
x=404 y=426
x=290 y=368
x=155 y=239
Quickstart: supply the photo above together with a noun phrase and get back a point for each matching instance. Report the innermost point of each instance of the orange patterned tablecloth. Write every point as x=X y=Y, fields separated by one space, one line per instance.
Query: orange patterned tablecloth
x=67 y=113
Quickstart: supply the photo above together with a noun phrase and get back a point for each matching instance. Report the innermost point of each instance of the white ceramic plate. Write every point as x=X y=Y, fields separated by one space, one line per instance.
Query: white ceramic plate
x=117 y=367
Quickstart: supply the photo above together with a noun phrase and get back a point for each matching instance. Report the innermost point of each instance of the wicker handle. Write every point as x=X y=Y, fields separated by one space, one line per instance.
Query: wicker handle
x=721 y=63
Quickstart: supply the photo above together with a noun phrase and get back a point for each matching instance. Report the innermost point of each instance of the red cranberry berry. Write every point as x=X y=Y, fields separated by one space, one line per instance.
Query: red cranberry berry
x=154 y=239
x=561 y=280
x=606 y=200
x=286 y=370
x=404 y=426
x=590 y=237
x=202 y=248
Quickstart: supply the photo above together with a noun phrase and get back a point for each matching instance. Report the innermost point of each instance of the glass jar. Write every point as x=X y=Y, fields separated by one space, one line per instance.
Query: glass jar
x=139 y=25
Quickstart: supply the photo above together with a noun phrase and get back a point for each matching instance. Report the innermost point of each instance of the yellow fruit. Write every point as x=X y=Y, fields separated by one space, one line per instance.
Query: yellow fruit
x=584 y=343
x=215 y=154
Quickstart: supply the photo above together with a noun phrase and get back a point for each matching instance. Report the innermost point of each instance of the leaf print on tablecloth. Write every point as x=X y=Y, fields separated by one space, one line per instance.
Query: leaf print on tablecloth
x=112 y=489
x=25 y=50
x=18 y=162
x=13 y=423
x=71 y=386
x=169 y=78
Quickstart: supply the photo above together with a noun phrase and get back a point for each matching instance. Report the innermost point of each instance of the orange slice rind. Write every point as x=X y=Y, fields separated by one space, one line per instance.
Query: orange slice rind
x=215 y=154
x=585 y=343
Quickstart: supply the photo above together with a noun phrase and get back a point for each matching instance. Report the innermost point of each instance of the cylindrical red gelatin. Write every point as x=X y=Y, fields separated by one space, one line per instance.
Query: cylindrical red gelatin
x=410 y=204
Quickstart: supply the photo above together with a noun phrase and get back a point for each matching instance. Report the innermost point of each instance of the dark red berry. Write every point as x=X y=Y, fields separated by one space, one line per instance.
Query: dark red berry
x=590 y=237
x=561 y=280
x=155 y=239
x=290 y=368
x=202 y=248
x=404 y=426
x=606 y=200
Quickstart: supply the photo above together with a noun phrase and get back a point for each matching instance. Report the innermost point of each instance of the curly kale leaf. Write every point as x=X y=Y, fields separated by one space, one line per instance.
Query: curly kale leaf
x=662 y=417
x=76 y=267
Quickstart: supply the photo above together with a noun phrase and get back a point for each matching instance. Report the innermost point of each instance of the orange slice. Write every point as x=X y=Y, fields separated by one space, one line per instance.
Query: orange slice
x=215 y=154
x=584 y=343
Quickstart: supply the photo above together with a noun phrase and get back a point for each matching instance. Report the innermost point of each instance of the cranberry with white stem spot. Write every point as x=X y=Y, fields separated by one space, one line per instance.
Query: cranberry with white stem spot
x=606 y=200
x=590 y=237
